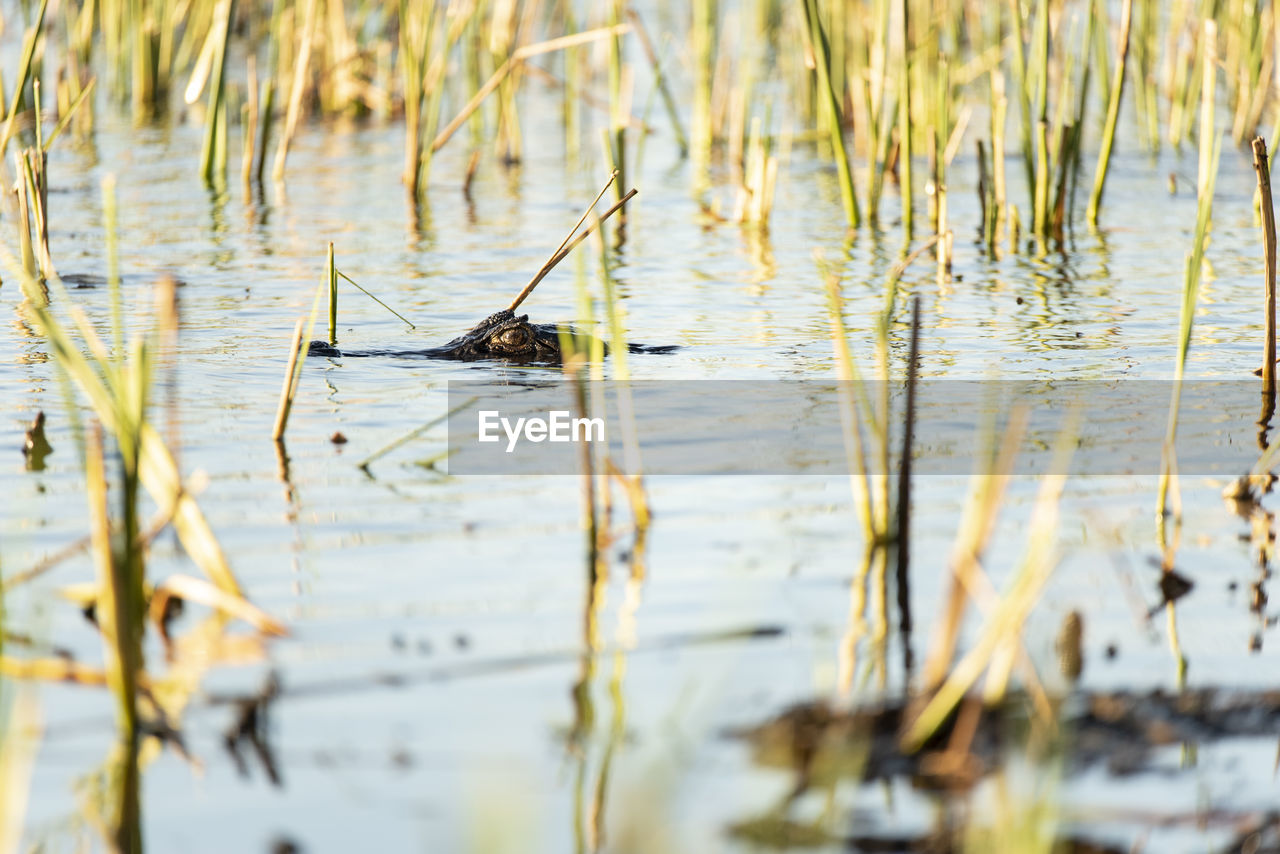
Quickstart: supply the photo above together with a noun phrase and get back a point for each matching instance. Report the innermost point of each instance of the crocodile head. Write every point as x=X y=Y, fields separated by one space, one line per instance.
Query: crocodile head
x=505 y=336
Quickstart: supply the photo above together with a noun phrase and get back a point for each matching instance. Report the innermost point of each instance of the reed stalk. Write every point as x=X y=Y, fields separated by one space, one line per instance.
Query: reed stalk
x=289 y=390
x=331 y=278
x=25 y=65
x=33 y=164
x=1040 y=71
x=904 y=121
x=702 y=133
x=106 y=382
x=249 y=125
x=1004 y=623
x=72 y=109
x=902 y=533
x=19 y=735
x=213 y=151
x=1262 y=167
x=1113 y=114
x=852 y=399
x=660 y=82
x=22 y=191
x=619 y=104
x=518 y=57
x=1208 y=96
x=118 y=570
x=942 y=128
x=114 y=294
x=1023 y=87
x=986 y=206
x=574 y=365
x=878 y=122
x=1190 y=298
x=831 y=109
x=572 y=240
x=373 y=297
x=267 y=98
x=633 y=480
x=295 y=94
x=293 y=369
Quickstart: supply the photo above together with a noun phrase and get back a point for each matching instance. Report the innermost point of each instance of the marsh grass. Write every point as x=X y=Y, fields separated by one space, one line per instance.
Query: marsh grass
x=872 y=81
x=123 y=456
x=24 y=76
x=111 y=387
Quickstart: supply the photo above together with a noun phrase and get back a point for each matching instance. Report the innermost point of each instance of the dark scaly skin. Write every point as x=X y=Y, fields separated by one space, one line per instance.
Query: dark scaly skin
x=499 y=336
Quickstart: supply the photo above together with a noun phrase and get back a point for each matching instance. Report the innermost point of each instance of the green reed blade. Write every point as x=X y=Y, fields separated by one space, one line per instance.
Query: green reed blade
x=1113 y=115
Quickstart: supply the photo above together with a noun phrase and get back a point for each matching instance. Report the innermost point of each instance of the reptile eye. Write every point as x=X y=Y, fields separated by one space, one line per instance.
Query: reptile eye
x=516 y=336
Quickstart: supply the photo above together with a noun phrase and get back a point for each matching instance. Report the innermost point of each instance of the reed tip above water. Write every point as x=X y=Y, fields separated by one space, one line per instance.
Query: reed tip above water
x=566 y=246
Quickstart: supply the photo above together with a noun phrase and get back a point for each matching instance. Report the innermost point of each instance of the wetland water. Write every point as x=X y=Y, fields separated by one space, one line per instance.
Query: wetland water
x=436 y=690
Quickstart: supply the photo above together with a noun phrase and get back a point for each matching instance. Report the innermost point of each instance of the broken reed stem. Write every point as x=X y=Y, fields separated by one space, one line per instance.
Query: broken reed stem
x=566 y=248
x=1113 y=115
x=290 y=387
x=613 y=175
x=24 y=218
x=1260 y=165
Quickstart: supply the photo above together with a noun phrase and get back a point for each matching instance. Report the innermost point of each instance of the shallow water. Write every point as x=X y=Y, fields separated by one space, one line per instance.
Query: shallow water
x=428 y=684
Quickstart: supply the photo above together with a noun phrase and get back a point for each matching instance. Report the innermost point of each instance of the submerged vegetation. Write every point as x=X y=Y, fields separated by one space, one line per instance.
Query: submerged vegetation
x=885 y=95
